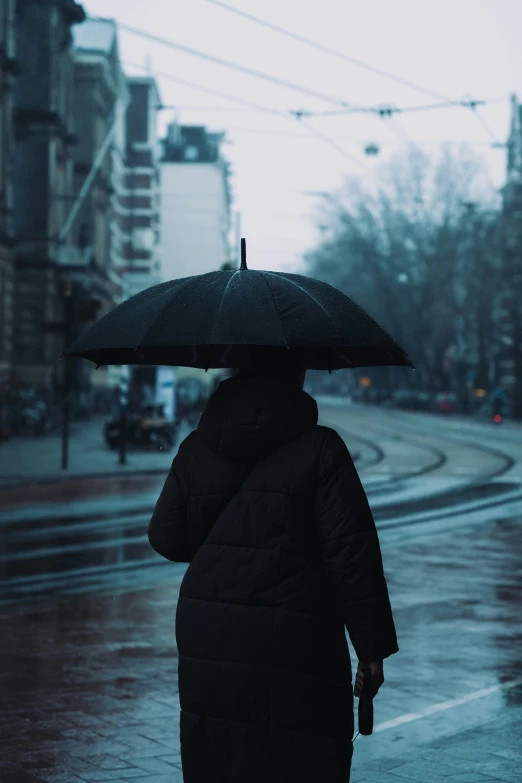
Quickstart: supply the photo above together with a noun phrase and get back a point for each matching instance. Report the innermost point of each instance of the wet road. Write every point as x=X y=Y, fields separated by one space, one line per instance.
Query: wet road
x=88 y=662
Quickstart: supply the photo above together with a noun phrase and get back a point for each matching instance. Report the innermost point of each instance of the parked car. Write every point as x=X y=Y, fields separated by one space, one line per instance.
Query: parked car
x=358 y=395
x=424 y=401
x=445 y=402
x=411 y=400
x=378 y=396
x=404 y=399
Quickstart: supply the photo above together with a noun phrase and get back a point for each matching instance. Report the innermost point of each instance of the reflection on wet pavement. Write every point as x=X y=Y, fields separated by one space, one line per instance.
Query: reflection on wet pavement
x=63 y=491
x=89 y=680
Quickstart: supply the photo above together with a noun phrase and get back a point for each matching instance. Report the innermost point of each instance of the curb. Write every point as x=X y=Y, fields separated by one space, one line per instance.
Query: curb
x=58 y=479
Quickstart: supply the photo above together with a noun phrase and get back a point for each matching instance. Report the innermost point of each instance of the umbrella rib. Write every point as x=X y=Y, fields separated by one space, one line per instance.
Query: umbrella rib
x=281 y=276
x=275 y=304
x=237 y=272
x=165 y=307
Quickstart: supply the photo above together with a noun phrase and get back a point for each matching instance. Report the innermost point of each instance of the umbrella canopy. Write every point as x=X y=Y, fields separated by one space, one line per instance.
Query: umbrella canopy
x=204 y=320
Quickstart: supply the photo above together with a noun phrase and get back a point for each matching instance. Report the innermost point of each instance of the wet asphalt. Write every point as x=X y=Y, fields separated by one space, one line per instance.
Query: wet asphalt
x=88 y=666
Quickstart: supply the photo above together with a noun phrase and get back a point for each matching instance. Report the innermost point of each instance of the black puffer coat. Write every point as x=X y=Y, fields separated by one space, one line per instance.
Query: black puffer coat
x=269 y=511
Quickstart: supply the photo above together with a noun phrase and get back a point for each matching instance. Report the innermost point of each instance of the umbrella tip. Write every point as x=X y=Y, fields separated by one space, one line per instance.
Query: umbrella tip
x=243 y=254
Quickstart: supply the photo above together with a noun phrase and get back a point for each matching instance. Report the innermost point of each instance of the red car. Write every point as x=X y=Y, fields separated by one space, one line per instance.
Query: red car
x=445 y=402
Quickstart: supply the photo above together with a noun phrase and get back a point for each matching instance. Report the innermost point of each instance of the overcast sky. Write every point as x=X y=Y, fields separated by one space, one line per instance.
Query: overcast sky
x=454 y=48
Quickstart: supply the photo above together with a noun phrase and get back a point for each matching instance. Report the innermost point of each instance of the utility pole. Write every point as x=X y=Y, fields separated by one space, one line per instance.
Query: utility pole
x=512 y=253
x=67 y=372
x=124 y=400
x=86 y=308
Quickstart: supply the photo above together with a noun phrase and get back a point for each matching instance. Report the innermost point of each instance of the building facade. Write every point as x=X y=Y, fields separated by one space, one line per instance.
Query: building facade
x=42 y=182
x=8 y=69
x=195 y=202
x=195 y=211
x=141 y=206
x=96 y=244
x=140 y=213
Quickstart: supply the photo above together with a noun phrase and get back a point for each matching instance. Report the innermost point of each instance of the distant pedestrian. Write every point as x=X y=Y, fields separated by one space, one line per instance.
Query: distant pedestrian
x=498 y=402
x=267 y=507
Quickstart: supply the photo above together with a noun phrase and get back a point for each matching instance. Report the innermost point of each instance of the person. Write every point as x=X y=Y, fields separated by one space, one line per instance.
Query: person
x=267 y=508
x=498 y=402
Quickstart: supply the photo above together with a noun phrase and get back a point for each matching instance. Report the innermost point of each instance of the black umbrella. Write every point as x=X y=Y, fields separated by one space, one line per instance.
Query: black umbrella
x=202 y=321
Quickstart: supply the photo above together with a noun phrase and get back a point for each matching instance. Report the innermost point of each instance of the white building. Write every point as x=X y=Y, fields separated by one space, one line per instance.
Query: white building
x=140 y=206
x=195 y=203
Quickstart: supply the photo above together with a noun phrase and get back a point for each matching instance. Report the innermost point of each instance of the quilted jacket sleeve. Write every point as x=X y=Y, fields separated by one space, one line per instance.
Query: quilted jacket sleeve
x=167 y=530
x=351 y=553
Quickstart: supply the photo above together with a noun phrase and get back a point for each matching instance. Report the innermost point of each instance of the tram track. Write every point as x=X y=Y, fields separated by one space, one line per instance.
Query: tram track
x=110 y=551
x=412 y=435
x=147 y=570
x=440 y=455
x=508 y=460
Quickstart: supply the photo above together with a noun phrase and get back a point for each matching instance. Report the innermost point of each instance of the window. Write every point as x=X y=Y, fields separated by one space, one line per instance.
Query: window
x=191 y=153
x=143 y=238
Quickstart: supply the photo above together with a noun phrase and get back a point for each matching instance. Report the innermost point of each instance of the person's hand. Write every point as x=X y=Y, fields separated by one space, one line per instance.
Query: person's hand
x=377 y=675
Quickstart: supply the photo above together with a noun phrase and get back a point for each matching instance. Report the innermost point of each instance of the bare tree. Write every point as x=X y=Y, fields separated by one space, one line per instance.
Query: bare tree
x=402 y=249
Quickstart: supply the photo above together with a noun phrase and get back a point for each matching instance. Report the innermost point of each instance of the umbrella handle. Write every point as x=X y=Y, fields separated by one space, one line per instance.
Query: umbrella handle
x=365 y=710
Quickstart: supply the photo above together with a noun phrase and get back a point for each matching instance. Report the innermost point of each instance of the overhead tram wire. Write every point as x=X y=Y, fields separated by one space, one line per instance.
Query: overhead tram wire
x=386 y=114
x=346 y=107
x=322 y=96
x=400 y=133
x=298 y=115
x=485 y=125
x=311 y=114
x=331 y=142
x=227 y=96
x=327 y=50
x=233 y=66
x=222 y=109
x=289 y=115
x=389 y=111
x=340 y=55
x=358 y=139
x=466 y=104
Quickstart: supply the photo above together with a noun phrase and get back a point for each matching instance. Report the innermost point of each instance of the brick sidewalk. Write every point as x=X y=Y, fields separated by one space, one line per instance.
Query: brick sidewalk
x=490 y=753
x=89 y=681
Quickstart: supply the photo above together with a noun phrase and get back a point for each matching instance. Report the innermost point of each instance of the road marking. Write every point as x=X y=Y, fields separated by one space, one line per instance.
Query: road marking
x=446 y=705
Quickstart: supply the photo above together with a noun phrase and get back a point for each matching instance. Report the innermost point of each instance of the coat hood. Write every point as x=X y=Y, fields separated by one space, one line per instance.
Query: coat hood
x=248 y=417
